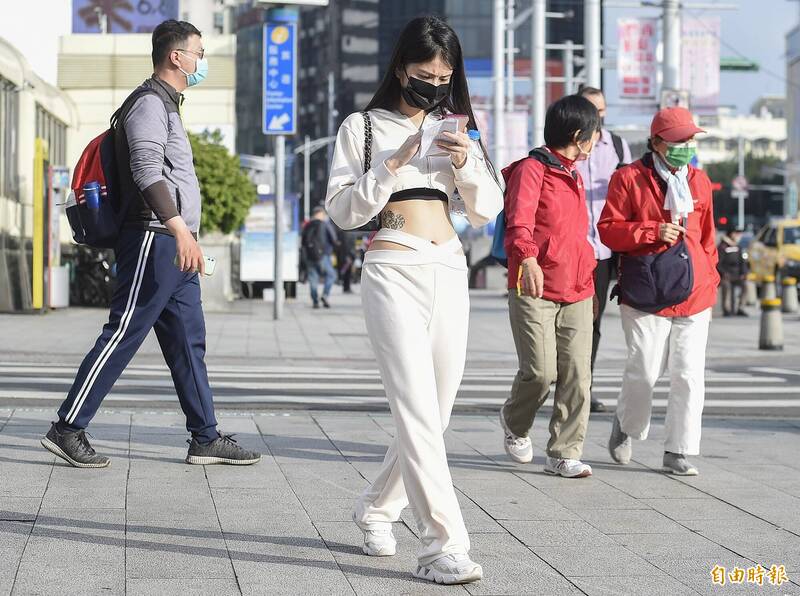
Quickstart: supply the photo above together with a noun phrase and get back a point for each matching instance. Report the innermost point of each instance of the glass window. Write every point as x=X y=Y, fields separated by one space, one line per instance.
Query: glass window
x=769 y=238
x=791 y=235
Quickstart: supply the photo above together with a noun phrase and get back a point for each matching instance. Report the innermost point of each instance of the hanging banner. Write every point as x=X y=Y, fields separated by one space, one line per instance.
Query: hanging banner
x=700 y=60
x=636 y=58
x=136 y=16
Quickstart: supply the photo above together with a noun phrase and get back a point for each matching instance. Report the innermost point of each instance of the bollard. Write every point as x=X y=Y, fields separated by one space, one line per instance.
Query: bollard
x=789 y=297
x=771 y=332
x=751 y=290
x=769 y=291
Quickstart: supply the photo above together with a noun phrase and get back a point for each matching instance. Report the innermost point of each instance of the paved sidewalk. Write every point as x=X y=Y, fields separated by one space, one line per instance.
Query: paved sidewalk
x=150 y=524
x=248 y=333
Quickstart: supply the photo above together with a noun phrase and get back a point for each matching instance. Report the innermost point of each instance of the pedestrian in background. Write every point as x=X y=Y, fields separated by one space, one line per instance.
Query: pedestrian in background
x=158 y=263
x=318 y=241
x=414 y=281
x=345 y=259
x=551 y=288
x=610 y=153
x=659 y=214
x=733 y=269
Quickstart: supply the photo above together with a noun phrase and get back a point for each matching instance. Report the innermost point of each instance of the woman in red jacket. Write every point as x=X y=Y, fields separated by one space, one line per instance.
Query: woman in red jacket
x=551 y=278
x=660 y=208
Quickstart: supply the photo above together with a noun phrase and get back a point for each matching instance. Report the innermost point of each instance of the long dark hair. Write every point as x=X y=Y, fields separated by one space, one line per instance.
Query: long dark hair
x=422 y=40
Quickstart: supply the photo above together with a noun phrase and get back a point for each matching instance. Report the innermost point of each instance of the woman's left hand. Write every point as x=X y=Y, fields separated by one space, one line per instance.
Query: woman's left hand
x=456 y=144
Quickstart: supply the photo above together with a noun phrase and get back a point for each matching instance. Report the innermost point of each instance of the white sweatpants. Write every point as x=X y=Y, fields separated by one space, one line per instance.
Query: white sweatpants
x=416 y=305
x=656 y=344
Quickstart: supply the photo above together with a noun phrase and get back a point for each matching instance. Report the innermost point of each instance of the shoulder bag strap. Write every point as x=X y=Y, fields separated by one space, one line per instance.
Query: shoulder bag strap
x=367 y=141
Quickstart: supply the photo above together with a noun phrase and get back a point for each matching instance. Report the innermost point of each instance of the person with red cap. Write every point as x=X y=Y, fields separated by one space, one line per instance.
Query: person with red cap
x=659 y=216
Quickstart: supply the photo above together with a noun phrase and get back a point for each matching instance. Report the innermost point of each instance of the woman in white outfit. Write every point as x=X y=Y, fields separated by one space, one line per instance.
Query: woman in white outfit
x=414 y=281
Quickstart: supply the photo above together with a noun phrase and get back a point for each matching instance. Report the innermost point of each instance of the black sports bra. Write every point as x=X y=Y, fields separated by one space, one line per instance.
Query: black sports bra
x=421 y=194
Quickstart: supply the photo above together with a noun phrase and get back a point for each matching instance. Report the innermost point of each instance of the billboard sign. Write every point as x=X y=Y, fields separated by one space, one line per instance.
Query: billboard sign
x=636 y=58
x=700 y=60
x=280 y=78
x=122 y=16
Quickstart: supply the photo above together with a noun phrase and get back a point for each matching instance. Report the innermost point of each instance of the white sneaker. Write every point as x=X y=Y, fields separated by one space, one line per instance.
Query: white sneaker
x=379 y=541
x=568 y=468
x=520 y=449
x=451 y=569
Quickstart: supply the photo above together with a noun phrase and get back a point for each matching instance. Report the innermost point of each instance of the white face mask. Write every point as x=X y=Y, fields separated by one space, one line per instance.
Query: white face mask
x=584 y=155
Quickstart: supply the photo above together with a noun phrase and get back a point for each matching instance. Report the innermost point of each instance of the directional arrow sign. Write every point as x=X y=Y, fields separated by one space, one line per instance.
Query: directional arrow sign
x=279 y=122
x=280 y=78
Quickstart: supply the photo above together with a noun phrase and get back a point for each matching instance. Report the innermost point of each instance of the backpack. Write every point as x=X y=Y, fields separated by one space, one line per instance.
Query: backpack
x=498 y=252
x=619 y=149
x=313 y=241
x=100 y=226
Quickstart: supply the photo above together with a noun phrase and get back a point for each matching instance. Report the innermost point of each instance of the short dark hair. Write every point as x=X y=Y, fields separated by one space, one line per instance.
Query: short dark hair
x=317 y=210
x=586 y=90
x=168 y=36
x=567 y=116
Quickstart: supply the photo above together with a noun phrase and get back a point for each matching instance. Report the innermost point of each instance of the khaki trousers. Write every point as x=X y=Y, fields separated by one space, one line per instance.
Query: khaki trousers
x=554 y=345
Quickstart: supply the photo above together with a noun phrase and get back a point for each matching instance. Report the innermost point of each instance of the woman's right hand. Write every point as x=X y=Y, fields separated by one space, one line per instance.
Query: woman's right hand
x=670 y=232
x=404 y=154
x=532 y=278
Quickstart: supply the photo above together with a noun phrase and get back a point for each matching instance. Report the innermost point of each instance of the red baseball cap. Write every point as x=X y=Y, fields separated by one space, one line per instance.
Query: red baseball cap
x=674 y=125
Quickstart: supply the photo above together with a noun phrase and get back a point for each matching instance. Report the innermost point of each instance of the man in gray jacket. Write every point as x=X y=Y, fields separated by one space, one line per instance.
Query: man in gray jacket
x=158 y=262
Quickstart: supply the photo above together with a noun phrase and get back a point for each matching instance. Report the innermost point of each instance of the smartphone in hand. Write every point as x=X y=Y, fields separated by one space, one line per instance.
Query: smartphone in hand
x=210 y=264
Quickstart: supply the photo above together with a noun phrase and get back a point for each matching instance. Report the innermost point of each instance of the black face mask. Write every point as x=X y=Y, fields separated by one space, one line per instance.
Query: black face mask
x=423 y=95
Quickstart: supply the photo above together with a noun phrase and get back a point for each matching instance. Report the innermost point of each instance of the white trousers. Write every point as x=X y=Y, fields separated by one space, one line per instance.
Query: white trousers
x=416 y=305
x=656 y=344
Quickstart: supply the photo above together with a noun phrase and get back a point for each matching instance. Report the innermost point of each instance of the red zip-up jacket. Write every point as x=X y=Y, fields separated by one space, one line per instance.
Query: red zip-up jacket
x=633 y=213
x=546 y=218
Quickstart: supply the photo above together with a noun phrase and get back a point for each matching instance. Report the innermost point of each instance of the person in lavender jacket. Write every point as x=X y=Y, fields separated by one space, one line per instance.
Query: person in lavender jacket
x=610 y=152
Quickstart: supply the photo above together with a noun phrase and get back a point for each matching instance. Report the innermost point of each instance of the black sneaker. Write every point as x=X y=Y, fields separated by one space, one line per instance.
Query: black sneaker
x=325 y=302
x=223 y=450
x=597 y=406
x=74 y=448
x=316 y=305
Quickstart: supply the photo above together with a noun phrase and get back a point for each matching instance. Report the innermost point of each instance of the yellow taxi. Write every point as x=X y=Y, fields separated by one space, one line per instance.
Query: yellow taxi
x=775 y=250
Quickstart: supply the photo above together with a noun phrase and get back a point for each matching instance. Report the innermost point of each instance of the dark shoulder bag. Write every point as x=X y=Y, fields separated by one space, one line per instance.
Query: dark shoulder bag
x=651 y=283
x=375 y=223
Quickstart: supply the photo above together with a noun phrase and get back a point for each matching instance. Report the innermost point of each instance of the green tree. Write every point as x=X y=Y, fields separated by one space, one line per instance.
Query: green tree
x=725 y=171
x=227 y=192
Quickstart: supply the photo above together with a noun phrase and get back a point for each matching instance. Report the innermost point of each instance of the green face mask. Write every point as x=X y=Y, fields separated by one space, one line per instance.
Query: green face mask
x=680 y=154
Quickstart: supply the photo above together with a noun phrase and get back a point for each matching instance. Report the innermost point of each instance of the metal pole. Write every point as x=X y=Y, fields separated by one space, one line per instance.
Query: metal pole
x=538 y=73
x=510 y=55
x=569 y=68
x=592 y=16
x=672 y=45
x=743 y=193
x=498 y=64
x=307 y=178
x=280 y=170
x=332 y=113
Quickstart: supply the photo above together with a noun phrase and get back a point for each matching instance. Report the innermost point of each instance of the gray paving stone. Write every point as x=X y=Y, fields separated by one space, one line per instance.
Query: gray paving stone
x=630 y=521
x=556 y=533
x=593 y=497
x=575 y=561
x=21 y=509
x=511 y=568
x=75 y=551
x=657 y=584
x=13 y=536
x=181 y=587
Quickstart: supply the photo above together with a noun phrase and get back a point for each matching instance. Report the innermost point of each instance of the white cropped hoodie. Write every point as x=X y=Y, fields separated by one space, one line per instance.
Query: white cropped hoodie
x=354 y=197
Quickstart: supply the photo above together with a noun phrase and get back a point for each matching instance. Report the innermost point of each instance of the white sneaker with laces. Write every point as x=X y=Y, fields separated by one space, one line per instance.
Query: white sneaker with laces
x=520 y=449
x=457 y=568
x=568 y=468
x=379 y=541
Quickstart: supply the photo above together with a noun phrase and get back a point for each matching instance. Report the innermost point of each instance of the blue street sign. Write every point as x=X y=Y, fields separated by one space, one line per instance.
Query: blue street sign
x=280 y=78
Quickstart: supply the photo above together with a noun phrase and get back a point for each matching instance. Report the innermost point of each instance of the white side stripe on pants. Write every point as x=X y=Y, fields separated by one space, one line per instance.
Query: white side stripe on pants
x=127 y=315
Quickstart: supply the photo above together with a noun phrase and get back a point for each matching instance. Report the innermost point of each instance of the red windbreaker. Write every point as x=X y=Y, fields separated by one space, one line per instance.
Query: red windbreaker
x=633 y=213
x=546 y=218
